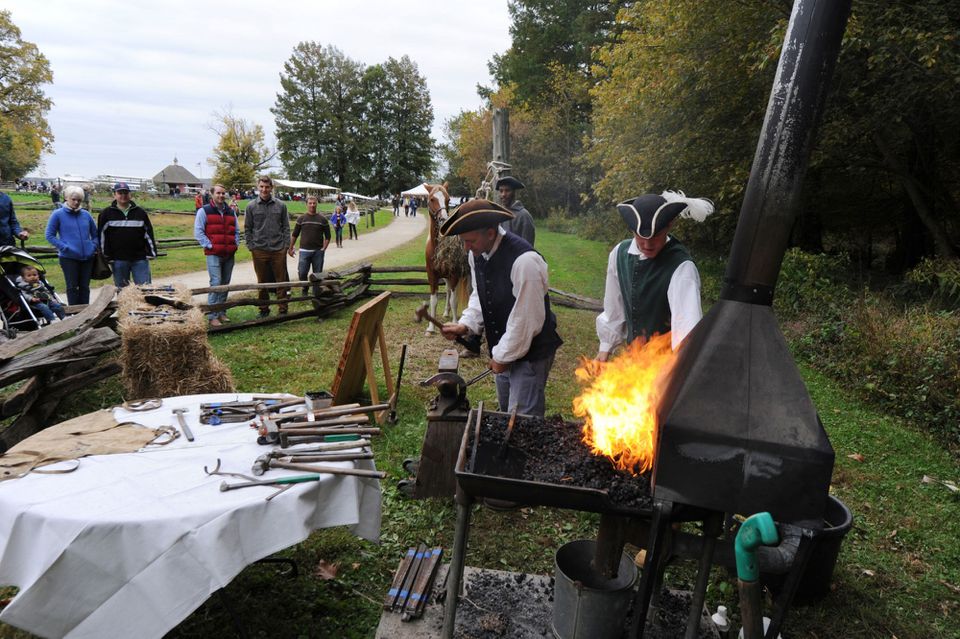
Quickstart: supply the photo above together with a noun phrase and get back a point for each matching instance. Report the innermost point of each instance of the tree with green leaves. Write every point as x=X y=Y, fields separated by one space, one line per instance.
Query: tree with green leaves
x=241 y=153
x=318 y=114
x=24 y=131
x=410 y=118
x=373 y=152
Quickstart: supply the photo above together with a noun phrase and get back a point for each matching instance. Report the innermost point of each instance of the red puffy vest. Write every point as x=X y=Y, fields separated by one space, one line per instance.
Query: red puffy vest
x=221 y=229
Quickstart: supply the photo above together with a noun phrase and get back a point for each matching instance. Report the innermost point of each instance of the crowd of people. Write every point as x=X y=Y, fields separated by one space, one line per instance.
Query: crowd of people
x=652 y=284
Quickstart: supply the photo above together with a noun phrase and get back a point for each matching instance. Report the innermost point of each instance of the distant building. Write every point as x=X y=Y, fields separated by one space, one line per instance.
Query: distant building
x=174 y=175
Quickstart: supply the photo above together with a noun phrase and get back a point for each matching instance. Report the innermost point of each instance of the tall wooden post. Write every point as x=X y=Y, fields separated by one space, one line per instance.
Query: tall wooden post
x=501 y=140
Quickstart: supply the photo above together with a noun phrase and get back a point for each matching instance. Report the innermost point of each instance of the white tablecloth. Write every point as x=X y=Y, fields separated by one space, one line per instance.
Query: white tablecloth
x=129 y=545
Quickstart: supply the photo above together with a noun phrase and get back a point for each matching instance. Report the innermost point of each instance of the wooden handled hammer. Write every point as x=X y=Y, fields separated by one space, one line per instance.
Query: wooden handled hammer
x=422 y=314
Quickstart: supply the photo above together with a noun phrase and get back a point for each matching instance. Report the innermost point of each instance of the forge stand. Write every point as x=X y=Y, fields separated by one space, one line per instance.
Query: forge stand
x=652 y=529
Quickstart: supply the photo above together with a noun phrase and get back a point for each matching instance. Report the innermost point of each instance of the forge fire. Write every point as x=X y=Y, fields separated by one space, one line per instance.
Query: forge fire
x=620 y=399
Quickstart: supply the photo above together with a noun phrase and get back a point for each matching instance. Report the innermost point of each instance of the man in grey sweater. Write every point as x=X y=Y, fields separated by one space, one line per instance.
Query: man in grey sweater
x=266 y=230
x=522 y=222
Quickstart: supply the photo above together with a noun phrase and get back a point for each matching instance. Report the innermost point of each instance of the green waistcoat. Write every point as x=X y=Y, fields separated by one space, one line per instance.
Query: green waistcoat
x=644 y=284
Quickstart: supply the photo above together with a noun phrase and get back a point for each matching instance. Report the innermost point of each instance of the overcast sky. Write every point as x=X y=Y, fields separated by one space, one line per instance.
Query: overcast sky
x=136 y=83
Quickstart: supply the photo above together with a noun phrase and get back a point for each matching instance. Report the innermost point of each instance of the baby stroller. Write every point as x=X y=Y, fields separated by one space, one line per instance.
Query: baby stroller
x=14 y=307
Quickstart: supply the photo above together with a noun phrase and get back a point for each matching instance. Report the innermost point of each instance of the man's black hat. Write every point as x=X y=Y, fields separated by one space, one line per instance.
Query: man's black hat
x=510 y=181
x=475 y=214
x=650 y=214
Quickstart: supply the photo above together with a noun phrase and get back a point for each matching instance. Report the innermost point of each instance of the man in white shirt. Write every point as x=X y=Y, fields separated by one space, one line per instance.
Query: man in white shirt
x=653 y=286
x=509 y=304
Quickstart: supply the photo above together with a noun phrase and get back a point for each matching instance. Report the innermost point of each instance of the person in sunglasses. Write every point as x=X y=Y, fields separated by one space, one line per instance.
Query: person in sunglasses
x=652 y=286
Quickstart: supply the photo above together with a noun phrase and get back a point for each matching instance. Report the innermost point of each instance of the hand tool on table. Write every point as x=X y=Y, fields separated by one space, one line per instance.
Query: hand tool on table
x=346 y=420
x=323 y=457
x=283 y=482
x=321 y=448
x=289 y=438
x=421 y=314
x=343 y=430
x=330 y=412
x=183 y=423
x=264 y=463
x=138 y=405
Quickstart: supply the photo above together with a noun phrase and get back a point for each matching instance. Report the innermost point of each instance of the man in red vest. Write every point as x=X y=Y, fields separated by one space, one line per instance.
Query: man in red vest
x=218 y=232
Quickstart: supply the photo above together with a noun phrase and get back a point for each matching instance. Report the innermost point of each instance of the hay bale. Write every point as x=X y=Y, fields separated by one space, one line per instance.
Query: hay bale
x=164 y=351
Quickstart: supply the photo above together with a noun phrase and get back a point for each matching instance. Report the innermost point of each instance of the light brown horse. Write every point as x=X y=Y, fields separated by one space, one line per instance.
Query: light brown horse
x=445 y=258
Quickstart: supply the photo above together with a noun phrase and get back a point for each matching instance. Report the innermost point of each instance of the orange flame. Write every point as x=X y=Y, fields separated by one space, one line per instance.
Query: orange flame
x=620 y=402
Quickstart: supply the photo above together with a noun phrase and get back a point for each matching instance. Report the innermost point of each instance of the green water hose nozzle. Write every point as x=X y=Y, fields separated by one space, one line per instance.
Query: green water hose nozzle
x=757 y=530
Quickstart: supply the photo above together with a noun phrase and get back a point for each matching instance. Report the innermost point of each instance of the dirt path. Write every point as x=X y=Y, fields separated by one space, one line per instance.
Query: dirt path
x=402 y=230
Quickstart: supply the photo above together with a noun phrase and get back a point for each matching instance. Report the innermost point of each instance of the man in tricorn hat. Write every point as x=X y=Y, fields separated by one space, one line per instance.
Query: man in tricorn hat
x=522 y=222
x=509 y=304
x=652 y=283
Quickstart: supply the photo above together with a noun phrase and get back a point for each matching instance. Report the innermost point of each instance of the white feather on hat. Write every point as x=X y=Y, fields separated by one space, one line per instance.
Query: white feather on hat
x=698 y=208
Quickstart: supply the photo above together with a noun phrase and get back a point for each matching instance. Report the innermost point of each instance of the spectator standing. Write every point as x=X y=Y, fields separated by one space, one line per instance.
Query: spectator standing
x=406 y=206
x=10 y=229
x=396 y=205
x=55 y=196
x=198 y=200
x=72 y=230
x=338 y=220
x=266 y=229
x=353 y=216
x=314 y=233
x=86 y=196
x=217 y=230
x=522 y=222
x=413 y=207
x=126 y=238
x=38 y=295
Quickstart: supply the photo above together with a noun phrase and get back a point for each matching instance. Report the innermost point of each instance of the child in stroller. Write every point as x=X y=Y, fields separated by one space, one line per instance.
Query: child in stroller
x=17 y=309
x=38 y=296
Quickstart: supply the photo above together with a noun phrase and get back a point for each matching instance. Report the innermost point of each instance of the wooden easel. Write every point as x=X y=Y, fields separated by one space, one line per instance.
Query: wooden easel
x=356 y=361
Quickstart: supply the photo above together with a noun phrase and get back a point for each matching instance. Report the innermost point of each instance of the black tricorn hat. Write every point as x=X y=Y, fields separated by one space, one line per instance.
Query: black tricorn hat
x=473 y=215
x=650 y=214
x=510 y=181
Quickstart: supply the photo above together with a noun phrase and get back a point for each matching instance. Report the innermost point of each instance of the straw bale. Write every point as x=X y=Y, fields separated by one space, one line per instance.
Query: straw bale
x=167 y=355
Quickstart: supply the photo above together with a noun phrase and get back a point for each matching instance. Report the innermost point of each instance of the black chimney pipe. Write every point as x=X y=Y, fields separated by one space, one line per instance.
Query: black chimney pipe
x=810 y=49
x=739 y=431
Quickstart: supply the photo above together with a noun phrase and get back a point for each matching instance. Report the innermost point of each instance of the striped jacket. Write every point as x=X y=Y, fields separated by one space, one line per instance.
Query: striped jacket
x=126 y=237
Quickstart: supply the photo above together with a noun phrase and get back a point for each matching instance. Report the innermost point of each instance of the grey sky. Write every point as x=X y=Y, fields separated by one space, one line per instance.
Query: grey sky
x=137 y=82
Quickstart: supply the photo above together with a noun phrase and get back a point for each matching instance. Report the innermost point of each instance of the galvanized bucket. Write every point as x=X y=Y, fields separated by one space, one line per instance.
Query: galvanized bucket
x=585 y=605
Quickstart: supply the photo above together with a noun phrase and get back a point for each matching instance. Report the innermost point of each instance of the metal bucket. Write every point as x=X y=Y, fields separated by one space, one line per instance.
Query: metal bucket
x=586 y=605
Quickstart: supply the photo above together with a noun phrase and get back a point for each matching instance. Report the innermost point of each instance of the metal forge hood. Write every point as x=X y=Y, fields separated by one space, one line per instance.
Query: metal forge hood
x=739 y=432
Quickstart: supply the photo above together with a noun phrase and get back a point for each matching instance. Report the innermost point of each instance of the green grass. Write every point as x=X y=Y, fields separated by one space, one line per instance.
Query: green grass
x=897 y=574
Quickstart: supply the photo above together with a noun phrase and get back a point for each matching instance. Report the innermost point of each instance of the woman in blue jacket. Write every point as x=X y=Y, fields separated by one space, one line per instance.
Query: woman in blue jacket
x=72 y=230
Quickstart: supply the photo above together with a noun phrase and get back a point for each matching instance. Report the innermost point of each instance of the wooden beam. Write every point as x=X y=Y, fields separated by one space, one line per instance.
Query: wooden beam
x=91 y=315
x=90 y=343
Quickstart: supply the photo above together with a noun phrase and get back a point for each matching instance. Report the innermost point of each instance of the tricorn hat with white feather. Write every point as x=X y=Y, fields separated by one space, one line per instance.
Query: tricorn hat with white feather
x=650 y=214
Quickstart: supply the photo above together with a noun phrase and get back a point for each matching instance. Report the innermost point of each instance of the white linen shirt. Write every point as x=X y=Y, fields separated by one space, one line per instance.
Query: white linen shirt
x=683 y=295
x=529 y=278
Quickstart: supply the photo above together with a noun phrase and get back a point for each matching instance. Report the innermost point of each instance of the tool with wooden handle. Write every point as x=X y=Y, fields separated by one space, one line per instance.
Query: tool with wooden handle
x=183 y=423
x=422 y=314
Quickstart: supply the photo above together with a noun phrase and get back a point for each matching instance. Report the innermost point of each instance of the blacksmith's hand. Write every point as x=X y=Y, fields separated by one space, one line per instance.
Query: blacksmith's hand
x=23 y=235
x=499 y=367
x=602 y=356
x=453 y=330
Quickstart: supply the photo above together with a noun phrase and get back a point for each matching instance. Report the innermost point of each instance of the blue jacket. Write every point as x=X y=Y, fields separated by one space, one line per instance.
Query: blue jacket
x=73 y=232
x=9 y=226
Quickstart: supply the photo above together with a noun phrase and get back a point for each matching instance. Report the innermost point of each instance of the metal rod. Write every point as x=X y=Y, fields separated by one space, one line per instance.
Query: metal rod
x=455 y=574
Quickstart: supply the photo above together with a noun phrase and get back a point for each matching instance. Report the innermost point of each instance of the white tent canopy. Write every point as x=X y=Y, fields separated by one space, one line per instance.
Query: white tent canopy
x=357 y=196
x=417 y=191
x=297 y=184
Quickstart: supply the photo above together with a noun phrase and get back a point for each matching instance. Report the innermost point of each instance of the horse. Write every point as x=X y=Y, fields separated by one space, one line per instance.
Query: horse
x=445 y=258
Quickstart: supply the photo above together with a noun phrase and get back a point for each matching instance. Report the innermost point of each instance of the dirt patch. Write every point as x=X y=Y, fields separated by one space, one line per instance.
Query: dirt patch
x=555 y=454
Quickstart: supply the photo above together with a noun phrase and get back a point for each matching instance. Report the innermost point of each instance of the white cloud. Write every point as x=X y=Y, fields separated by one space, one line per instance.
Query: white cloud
x=136 y=82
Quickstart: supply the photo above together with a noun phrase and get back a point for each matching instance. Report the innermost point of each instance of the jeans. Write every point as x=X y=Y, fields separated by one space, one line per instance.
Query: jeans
x=48 y=310
x=338 y=234
x=271 y=266
x=309 y=260
x=523 y=385
x=122 y=269
x=353 y=231
x=220 y=269
x=77 y=275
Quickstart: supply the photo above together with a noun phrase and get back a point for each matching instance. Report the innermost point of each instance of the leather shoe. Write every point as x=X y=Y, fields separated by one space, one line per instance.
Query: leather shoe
x=215 y=322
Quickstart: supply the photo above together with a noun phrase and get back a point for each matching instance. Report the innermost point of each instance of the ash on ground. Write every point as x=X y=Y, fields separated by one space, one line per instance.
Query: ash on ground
x=503 y=605
x=555 y=454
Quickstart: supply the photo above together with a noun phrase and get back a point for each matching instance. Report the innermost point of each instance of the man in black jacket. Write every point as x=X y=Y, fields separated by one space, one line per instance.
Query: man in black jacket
x=126 y=238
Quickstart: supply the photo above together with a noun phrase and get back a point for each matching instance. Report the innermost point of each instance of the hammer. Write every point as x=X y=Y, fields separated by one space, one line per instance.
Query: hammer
x=183 y=423
x=421 y=314
x=266 y=462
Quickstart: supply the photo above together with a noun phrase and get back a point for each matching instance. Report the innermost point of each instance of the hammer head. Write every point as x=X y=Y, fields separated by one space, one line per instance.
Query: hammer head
x=420 y=313
x=181 y=410
x=261 y=465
